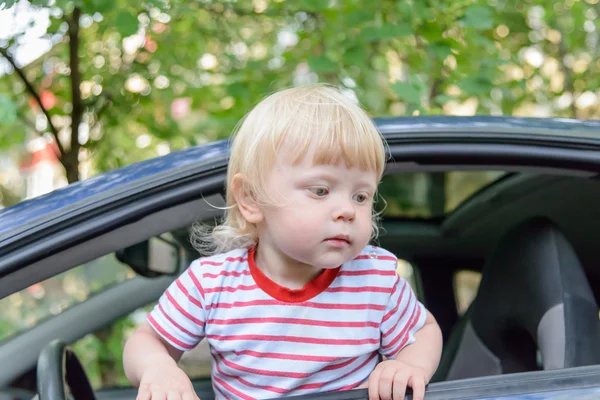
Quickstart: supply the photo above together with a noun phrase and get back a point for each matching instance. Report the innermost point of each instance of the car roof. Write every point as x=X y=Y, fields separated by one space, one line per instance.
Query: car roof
x=561 y=131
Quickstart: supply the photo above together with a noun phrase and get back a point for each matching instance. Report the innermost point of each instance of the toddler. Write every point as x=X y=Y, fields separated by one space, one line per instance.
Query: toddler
x=293 y=299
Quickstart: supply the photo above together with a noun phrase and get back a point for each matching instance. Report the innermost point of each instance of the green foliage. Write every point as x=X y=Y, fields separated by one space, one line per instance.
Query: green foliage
x=8 y=110
x=142 y=60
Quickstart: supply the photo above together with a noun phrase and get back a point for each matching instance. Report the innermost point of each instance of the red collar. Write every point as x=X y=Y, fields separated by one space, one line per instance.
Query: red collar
x=310 y=290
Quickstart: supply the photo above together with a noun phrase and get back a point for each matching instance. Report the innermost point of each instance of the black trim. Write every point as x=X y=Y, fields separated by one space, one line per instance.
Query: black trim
x=498 y=155
x=526 y=139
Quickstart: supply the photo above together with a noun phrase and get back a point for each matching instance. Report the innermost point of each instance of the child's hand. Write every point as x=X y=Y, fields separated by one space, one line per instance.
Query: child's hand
x=390 y=378
x=162 y=382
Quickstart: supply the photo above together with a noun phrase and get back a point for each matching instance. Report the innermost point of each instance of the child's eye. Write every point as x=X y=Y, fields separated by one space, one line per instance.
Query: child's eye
x=319 y=191
x=360 y=198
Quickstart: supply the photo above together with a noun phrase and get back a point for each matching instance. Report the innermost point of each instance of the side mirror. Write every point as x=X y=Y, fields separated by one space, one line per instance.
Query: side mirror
x=151 y=258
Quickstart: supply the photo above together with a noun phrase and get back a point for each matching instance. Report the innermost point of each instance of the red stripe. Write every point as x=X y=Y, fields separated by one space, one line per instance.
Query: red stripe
x=187 y=294
x=414 y=323
x=226 y=273
x=298 y=321
x=231 y=389
x=304 y=304
x=384 y=258
x=296 y=339
x=352 y=385
x=230 y=289
x=321 y=384
x=181 y=328
x=196 y=283
x=393 y=328
x=367 y=272
x=182 y=311
x=167 y=335
x=218 y=389
x=284 y=374
x=284 y=356
x=403 y=331
x=393 y=311
x=361 y=289
x=247 y=383
x=228 y=259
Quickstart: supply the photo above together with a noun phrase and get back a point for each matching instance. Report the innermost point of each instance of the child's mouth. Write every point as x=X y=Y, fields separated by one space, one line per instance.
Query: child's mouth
x=338 y=241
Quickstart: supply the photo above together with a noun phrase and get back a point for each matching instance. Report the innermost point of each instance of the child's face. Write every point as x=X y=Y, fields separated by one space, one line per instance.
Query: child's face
x=323 y=213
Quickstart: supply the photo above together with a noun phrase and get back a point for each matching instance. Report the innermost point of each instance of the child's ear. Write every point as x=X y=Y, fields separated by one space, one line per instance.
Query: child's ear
x=246 y=201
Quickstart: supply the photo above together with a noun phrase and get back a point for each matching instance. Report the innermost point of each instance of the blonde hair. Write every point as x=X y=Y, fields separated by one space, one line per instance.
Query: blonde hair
x=297 y=118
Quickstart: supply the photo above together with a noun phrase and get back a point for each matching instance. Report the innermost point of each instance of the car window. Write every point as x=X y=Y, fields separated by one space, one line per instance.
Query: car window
x=466 y=284
x=406 y=270
x=430 y=195
x=27 y=308
x=101 y=352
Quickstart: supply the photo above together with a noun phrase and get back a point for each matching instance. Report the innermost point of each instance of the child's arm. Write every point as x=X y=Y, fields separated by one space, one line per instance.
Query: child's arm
x=413 y=366
x=426 y=351
x=151 y=364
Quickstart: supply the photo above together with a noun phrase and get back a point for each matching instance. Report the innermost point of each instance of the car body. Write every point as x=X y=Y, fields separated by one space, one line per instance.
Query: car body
x=523 y=168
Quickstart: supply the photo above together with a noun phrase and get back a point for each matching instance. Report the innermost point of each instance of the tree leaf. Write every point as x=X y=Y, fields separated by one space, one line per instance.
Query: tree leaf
x=355 y=56
x=443 y=98
x=101 y=6
x=441 y=50
x=479 y=17
x=127 y=23
x=12 y=135
x=407 y=92
x=322 y=64
x=6 y=4
x=476 y=85
x=8 y=110
x=359 y=17
x=386 y=31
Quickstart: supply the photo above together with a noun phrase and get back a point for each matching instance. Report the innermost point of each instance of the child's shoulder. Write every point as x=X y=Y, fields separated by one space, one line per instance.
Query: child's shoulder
x=373 y=257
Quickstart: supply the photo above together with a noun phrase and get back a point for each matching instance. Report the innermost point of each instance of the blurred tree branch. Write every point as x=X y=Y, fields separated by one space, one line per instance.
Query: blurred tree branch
x=70 y=160
x=34 y=93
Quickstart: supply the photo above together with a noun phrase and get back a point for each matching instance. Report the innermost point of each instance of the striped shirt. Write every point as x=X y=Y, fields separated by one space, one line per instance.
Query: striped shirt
x=269 y=341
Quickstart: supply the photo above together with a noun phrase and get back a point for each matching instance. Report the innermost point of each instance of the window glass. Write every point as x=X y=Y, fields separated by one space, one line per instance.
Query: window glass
x=406 y=271
x=101 y=352
x=466 y=284
x=430 y=194
x=30 y=306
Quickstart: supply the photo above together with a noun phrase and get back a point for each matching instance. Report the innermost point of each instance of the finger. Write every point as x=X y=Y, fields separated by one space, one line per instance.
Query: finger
x=417 y=383
x=173 y=395
x=190 y=396
x=386 y=382
x=374 y=384
x=159 y=395
x=399 y=385
x=143 y=395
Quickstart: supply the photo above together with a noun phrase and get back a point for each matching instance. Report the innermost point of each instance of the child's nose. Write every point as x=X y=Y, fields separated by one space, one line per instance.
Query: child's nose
x=345 y=211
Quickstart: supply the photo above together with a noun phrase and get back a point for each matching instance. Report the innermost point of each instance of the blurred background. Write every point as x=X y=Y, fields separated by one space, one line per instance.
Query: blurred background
x=92 y=85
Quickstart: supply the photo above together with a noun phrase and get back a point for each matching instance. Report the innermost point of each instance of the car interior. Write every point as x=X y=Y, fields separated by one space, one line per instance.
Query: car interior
x=508 y=266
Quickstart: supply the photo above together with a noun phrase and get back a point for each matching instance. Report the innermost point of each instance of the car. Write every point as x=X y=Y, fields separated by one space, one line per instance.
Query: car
x=494 y=219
